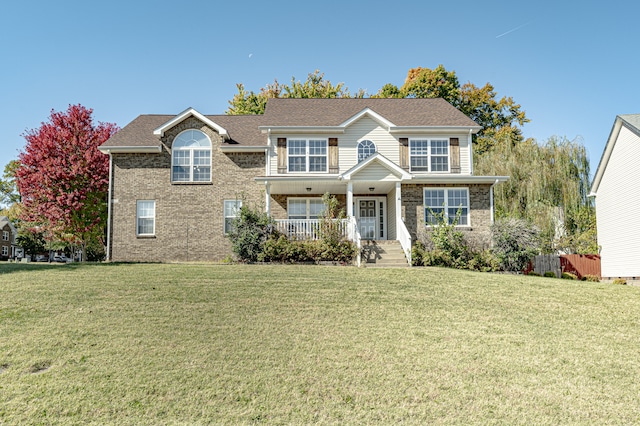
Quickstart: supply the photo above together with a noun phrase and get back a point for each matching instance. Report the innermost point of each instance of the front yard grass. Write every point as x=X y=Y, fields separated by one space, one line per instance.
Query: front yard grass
x=199 y=344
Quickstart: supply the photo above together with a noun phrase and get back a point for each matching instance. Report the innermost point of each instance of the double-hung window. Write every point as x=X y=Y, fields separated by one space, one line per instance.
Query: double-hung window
x=429 y=155
x=5 y=250
x=305 y=208
x=231 y=212
x=5 y=235
x=191 y=157
x=307 y=155
x=146 y=217
x=450 y=203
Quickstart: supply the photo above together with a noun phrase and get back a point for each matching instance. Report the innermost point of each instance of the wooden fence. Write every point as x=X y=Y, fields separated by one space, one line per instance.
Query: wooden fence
x=577 y=264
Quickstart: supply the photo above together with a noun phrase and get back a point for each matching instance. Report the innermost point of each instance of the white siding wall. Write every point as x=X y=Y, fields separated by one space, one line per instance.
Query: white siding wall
x=617 y=207
x=386 y=144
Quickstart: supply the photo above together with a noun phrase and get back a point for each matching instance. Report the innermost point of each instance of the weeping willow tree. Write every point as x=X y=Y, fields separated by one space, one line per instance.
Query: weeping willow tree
x=548 y=187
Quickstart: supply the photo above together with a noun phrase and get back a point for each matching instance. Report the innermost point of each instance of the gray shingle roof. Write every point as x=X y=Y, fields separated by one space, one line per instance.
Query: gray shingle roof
x=244 y=129
x=332 y=112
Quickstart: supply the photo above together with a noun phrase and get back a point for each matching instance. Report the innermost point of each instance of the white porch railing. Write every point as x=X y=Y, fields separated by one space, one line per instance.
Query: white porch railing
x=354 y=235
x=307 y=229
x=404 y=237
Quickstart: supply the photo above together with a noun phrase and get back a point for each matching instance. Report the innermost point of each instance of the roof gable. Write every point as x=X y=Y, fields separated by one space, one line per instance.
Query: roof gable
x=190 y=112
x=371 y=161
x=629 y=121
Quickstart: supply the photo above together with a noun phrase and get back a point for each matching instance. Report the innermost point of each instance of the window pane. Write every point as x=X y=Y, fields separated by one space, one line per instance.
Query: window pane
x=316 y=208
x=439 y=164
x=440 y=147
x=434 y=197
x=418 y=152
x=365 y=150
x=431 y=215
x=317 y=164
x=181 y=173
x=231 y=211
x=297 y=147
x=145 y=226
x=181 y=158
x=201 y=174
x=297 y=209
x=317 y=147
x=297 y=164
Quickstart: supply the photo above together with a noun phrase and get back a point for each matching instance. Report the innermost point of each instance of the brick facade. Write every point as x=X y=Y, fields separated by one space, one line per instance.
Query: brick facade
x=478 y=234
x=189 y=221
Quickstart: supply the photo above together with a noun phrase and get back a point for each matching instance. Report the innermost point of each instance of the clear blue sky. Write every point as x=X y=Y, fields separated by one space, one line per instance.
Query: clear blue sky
x=572 y=68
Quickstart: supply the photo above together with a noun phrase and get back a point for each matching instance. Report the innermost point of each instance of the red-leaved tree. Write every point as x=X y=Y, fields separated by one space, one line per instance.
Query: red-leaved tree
x=63 y=178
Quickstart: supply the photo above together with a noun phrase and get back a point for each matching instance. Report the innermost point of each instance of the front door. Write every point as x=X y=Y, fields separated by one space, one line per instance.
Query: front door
x=370 y=215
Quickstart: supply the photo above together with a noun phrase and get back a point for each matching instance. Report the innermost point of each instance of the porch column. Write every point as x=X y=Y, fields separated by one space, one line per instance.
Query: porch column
x=349 y=199
x=398 y=201
x=267 y=204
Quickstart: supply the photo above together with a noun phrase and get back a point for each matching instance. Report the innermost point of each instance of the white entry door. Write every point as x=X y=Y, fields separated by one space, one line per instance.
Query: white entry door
x=370 y=213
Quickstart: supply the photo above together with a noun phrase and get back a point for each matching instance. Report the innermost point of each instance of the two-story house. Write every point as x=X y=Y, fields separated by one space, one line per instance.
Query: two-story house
x=176 y=181
x=8 y=236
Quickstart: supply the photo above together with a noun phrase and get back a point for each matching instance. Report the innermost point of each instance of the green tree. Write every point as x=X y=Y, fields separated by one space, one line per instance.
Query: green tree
x=315 y=86
x=8 y=190
x=548 y=187
x=498 y=117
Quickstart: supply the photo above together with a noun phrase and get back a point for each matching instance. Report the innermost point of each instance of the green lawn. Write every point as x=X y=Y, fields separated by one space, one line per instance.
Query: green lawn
x=229 y=344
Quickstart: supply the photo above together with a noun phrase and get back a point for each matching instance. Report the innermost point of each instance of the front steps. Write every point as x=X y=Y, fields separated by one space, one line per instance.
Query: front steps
x=383 y=254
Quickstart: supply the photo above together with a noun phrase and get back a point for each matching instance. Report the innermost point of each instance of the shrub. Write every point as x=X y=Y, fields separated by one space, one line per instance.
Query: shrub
x=533 y=274
x=620 y=281
x=515 y=242
x=591 y=278
x=550 y=274
x=569 y=276
x=250 y=230
x=331 y=245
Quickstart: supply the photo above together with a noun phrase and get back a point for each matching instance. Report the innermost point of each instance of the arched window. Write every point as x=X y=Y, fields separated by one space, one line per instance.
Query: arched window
x=366 y=148
x=191 y=157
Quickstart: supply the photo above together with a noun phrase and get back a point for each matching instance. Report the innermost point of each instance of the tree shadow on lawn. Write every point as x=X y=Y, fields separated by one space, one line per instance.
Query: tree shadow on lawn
x=9 y=267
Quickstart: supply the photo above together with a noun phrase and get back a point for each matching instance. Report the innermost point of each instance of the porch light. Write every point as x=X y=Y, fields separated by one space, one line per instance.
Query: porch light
x=372 y=189
x=308 y=189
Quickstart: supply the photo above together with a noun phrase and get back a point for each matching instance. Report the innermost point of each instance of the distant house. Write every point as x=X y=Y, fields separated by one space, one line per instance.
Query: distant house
x=8 y=237
x=616 y=187
x=177 y=180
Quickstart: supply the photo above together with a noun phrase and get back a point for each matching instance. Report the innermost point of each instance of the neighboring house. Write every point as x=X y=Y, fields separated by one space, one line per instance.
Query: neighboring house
x=616 y=186
x=176 y=180
x=8 y=235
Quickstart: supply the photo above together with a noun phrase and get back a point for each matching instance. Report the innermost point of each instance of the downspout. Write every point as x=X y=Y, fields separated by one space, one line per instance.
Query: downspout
x=471 y=152
x=109 y=207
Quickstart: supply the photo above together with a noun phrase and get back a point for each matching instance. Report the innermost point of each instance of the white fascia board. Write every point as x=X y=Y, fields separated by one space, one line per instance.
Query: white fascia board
x=130 y=149
x=301 y=129
x=298 y=178
x=606 y=155
x=236 y=148
x=368 y=112
x=189 y=112
x=380 y=159
x=459 y=179
x=433 y=129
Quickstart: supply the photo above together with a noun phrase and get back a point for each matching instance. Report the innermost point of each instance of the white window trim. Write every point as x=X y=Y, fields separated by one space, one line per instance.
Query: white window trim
x=191 y=166
x=446 y=203
x=358 y=146
x=238 y=205
x=138 y=217
x=308 y=202
x=307 y=156
x=5 y=235
x=429 y=155
x=5 y=250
